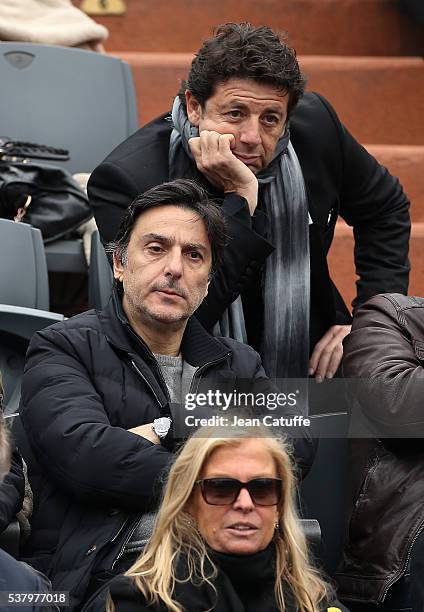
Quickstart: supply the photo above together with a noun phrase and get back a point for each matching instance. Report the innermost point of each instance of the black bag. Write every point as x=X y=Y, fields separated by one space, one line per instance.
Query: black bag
x=43 y=195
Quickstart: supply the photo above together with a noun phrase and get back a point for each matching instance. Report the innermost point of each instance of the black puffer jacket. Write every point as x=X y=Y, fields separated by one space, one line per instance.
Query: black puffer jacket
x=87 y=381
x=385 y=354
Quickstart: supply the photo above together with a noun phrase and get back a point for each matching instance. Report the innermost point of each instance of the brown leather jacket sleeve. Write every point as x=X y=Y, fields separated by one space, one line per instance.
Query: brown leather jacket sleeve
x=385 y=354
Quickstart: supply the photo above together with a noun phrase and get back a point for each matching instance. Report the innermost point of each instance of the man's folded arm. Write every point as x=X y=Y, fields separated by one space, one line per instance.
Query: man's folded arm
x=72 y=438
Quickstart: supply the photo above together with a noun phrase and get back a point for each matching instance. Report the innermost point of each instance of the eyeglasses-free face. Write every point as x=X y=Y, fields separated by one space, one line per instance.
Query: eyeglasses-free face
x=224 y=491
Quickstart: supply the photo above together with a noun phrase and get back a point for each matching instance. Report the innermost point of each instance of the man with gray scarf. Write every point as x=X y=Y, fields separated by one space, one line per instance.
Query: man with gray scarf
x=285 y=168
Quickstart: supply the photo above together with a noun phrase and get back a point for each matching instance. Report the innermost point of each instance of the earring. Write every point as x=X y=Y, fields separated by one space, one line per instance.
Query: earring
x=276 y=525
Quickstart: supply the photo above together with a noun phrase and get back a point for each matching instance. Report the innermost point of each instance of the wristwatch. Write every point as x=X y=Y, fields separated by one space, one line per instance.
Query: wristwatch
x=161 y=427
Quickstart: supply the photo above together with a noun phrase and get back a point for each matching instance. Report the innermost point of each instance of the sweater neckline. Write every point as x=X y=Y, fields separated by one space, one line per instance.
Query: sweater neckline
x=249 y=569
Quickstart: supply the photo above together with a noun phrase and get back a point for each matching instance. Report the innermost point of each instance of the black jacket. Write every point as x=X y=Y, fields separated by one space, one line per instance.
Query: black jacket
x=12 y=490
x=86 y=382
x=385 y=355
x=244 y=583
x=341 y=179
x=18 y=578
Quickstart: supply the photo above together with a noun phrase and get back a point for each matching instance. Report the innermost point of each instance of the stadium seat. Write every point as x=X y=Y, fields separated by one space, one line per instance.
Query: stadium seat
x=24 y=301
x=17 y=324
x=323 y=493
x=23 y=268
x=100 y=277
x=79 y=100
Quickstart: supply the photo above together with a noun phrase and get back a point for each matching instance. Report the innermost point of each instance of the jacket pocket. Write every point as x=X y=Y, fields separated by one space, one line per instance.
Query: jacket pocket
x=356 y=523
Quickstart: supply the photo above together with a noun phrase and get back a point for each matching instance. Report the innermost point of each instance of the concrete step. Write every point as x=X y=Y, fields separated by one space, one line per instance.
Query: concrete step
x=379 y=99
x=331 y=27
x=407 y=163
x=342 y=268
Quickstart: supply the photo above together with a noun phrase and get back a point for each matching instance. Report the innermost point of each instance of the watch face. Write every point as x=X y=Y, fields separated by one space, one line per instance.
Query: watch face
x=162 y=426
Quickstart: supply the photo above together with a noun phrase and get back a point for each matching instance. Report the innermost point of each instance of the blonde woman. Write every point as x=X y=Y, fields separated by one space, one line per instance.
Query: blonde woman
x=227 y=537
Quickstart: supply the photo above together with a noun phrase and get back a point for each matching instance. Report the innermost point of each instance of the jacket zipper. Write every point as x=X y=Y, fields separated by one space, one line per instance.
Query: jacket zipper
x=113 y=538
x=405 y=565
x=127 y=539
x=164 y=386
x=140 y=373
x=370 y=466
x=196 y=376
x=137 y=522
x=198 y=373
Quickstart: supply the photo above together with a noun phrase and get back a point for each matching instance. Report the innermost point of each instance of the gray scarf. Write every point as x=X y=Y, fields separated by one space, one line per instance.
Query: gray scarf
x=286 y=285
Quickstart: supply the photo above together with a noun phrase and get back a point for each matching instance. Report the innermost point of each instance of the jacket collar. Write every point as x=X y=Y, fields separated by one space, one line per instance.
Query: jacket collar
x=198 y=347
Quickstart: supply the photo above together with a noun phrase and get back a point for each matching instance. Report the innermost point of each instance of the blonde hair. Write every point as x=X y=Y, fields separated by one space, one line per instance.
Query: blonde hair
x=154 y=573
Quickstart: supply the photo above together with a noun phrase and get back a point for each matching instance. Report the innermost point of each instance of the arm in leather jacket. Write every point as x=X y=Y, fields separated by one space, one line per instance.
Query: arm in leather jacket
x=385 y=352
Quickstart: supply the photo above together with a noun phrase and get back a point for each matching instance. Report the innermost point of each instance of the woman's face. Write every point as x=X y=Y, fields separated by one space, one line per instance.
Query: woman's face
x=242 y=527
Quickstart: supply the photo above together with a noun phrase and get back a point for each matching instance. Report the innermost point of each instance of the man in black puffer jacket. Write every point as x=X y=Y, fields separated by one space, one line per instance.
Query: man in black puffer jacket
x=103 y=391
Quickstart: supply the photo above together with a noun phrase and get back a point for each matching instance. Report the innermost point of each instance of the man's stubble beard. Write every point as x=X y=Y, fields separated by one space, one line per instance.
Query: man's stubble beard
x=146 y=314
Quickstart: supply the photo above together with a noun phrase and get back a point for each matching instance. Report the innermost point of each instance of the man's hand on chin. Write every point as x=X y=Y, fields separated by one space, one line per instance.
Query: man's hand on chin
x=328 y=352
x=215 y=160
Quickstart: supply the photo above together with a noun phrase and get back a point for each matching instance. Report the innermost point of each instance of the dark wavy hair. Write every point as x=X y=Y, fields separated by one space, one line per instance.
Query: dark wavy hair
x=241 y=50
x=186 y=194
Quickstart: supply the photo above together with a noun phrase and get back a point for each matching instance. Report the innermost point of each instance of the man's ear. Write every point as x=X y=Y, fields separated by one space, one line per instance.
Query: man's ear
x=194 y=109
x=118 y=268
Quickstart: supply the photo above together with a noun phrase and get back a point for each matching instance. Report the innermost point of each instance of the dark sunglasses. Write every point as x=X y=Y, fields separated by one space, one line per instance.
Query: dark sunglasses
x=224 y=491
